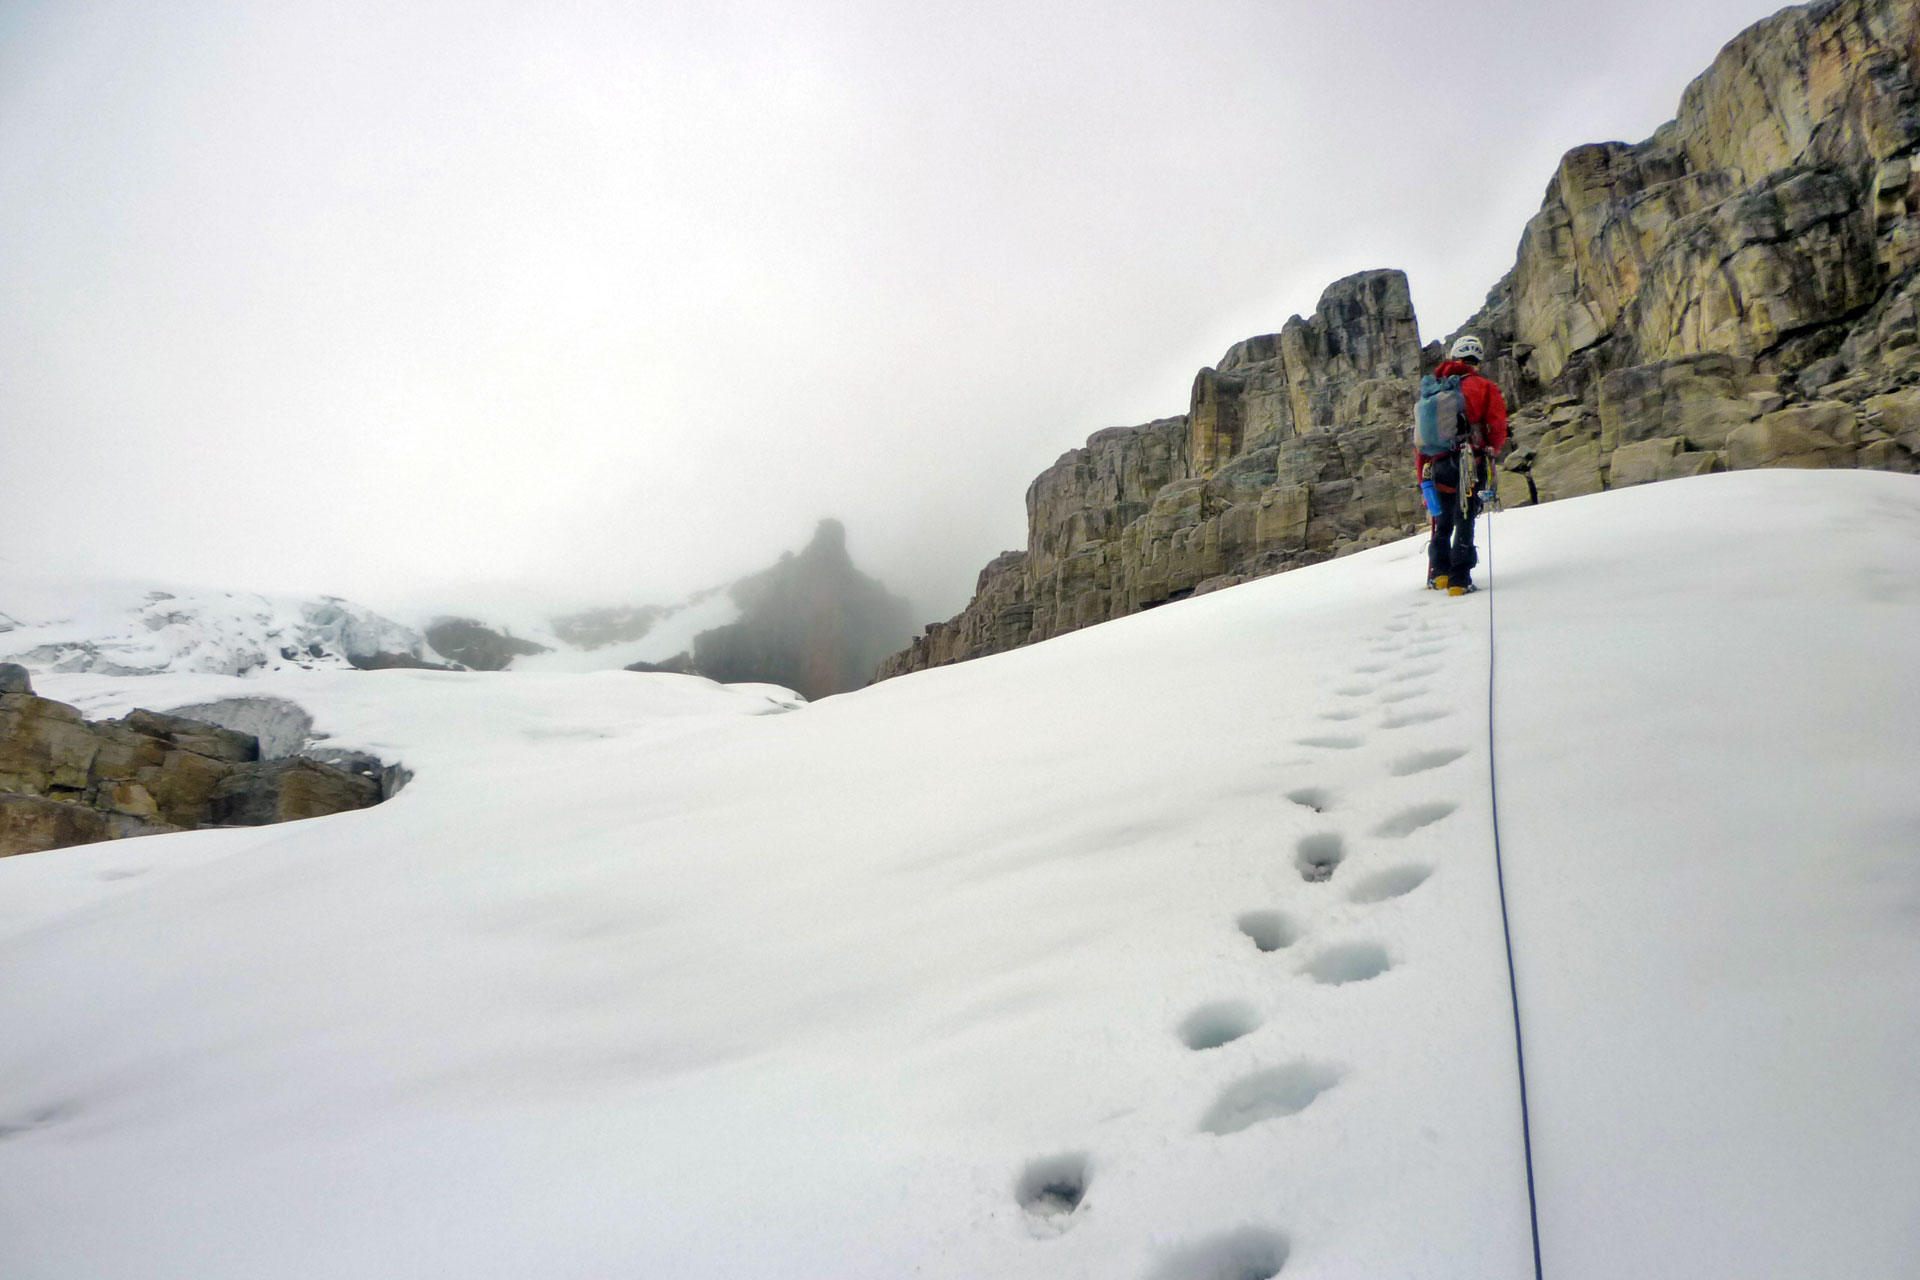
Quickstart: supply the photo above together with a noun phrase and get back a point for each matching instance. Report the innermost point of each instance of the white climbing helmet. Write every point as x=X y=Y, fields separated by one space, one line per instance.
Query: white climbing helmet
x=1467 y=347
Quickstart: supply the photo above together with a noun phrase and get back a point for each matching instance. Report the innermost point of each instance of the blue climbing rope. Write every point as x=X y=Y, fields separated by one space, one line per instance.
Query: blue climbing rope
x=1506 y=929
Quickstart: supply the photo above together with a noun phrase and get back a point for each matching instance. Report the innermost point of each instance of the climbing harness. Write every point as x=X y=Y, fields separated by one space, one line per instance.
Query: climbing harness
x=1506 y=929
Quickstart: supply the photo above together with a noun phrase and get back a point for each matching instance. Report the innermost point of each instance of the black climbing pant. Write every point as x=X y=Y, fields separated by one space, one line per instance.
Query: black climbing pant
x=1451 y=550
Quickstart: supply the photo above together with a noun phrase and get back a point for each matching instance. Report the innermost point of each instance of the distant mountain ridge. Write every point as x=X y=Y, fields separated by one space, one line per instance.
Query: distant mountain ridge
x=126 y=629
x=812 y=622
x=1740 y=290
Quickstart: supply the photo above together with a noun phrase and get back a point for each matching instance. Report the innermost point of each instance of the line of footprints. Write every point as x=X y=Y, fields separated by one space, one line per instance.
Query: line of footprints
x=1396 y=671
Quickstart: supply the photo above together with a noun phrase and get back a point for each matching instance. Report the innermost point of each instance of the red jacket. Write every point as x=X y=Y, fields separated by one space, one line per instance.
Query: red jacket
x=1486 y=407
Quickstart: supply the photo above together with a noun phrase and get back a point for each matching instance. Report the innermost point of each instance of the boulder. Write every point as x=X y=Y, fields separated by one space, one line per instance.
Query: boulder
x=196 y=736
x=1568 y=471
x=270 y=791
x=35 y=824
x=280 y=727
x=1792 y=438
x=1665 y=458
x=32 y=824
x=14 y=678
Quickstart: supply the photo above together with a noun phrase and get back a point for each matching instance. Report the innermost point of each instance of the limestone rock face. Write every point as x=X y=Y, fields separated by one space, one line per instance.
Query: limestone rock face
x=66 y=780
x=1781 y=198
x=1740 y=290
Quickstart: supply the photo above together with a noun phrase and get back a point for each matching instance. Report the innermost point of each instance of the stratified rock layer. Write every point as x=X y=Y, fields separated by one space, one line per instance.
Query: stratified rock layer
x=1737 y=291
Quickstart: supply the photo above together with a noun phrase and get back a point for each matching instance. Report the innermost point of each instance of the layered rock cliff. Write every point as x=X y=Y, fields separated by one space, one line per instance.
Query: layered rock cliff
x=1737 y=291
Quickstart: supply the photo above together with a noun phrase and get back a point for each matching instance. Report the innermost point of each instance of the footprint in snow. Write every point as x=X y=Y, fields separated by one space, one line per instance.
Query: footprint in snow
x=1333 y=742
x=1318 y=855
x=39 y=1118
x=1269 y=1095
x=1391 y=883
x=1403 y=695
x=1212 y=1025
x=1354 y=690
x=1318 y=799
x=1370 y=668
x=1427 y=651
x=1413 y=673
x=1269 y=930
x=1348 y=962
x=1408 y=821
x=1052 y=1190
x=1249 y=1253
x=1339 y=715
x=1422 y=761
x=1408 y=718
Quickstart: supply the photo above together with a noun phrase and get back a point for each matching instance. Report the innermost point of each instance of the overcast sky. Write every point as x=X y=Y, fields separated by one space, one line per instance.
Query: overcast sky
x=424 y=302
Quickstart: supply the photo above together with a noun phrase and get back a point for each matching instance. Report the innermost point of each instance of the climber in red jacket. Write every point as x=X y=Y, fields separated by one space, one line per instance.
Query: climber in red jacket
x=1450 y=554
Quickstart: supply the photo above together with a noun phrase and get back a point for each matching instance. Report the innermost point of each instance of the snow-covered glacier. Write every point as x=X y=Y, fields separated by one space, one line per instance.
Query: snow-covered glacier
x=137 y=629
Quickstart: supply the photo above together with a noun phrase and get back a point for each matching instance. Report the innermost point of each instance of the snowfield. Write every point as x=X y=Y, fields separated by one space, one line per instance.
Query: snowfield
x=1168 y=949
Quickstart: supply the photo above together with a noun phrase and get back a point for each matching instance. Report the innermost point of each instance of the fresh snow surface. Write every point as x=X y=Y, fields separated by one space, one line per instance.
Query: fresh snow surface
x=1023 y=968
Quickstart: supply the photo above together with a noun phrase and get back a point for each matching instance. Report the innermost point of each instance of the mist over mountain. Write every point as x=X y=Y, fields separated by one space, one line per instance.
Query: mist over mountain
x=813 y=622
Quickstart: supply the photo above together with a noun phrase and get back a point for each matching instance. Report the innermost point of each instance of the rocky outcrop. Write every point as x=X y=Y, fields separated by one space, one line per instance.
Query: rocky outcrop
x=66 y=780
x=813 y=623
x=476 y=646
x=1740 y=290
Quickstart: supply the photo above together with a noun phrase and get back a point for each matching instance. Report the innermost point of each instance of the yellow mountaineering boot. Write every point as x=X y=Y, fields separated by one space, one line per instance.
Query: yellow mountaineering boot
x=1439 y=582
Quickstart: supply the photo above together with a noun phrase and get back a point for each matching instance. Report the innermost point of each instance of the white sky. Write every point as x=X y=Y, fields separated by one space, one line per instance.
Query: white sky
x=438 y=302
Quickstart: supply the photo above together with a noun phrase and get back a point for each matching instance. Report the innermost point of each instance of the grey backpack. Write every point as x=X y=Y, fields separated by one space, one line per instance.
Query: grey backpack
x=1439 y=415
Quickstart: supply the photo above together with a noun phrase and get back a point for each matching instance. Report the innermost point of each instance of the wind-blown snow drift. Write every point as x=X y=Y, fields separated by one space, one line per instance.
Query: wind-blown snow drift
x=1169 y=948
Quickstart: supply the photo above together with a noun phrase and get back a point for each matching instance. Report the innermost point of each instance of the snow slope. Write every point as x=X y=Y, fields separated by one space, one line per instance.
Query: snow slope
x=647 y=976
